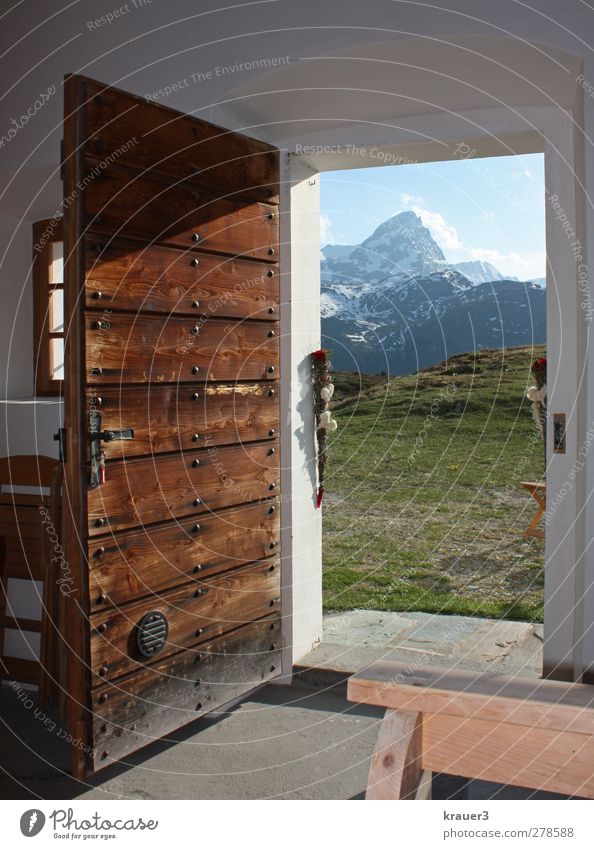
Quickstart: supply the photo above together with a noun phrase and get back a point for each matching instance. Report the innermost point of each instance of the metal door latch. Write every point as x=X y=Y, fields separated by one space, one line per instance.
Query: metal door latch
x=60 y=438
x=97 y=454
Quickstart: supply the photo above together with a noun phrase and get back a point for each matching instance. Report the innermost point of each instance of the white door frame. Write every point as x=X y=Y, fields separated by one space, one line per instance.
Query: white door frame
x=568 y=574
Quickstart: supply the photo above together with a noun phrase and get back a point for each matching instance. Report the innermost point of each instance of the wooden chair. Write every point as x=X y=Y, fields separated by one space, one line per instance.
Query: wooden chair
x=524 y=731
x=24 y=549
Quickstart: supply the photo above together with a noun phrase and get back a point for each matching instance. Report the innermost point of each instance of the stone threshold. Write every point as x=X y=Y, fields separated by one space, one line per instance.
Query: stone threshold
x=355 y=639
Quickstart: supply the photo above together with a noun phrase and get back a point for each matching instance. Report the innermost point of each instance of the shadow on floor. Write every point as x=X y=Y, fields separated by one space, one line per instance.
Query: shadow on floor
x=35 y=760
x=299 y=742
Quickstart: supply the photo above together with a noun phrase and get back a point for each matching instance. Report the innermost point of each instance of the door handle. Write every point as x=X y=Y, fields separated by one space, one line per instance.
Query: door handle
x=98 y=435
x=97 y=454
x=117 y=435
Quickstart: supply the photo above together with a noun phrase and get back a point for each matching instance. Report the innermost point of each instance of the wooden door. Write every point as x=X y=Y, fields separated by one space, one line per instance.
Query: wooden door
x=172 y=536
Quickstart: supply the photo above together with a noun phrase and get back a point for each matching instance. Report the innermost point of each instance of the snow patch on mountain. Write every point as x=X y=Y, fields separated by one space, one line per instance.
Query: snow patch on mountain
x=394 y=302
x=478 y=271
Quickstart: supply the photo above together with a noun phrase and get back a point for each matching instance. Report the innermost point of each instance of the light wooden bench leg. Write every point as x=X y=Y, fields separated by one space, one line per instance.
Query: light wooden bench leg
x=533 y=530
x=424 y=788
x=395 y=771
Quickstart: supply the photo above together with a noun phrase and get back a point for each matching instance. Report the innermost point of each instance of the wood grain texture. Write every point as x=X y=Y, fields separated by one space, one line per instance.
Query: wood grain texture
x=30 y=571
x=27 y=470
x=553 y=761
x=22 y=555
x=55 y=584
x=143 y=174
x=425 y=788
x=25 y=518
x=139 y=564
x=121 y=275
x=139 y=492
x=553 y=705
x=395 y=770
x=171 y=418
x=17 y=669
x=196 y=612
x=124 y=205
x=150 y=349
x=175 y=145
x=148 y=704
x=74 y=515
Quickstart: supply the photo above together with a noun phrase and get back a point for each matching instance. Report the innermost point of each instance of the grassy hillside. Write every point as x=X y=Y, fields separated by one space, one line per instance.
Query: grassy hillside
x=424 y=508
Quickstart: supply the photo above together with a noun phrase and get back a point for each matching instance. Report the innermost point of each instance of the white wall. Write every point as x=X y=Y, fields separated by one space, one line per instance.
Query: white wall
x=300 y=335
x=16 y=315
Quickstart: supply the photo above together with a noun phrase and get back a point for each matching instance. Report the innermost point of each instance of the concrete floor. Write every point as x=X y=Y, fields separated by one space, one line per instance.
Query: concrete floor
x=285 y=742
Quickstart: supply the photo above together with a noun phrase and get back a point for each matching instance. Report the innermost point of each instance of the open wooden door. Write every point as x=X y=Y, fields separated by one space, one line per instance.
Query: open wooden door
x=172 y=495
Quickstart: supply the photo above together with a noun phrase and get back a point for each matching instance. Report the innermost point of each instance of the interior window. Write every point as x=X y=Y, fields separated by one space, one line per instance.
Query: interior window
x=48 y=281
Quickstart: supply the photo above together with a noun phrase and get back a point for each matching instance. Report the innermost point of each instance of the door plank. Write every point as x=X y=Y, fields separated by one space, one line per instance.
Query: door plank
x=195 y=612
x=148 y=704
x=171 y=418
x=177 y=215
x=143 y=349
x=122 y=276
x=149 y=561
x=140 y=492
x=176 y=145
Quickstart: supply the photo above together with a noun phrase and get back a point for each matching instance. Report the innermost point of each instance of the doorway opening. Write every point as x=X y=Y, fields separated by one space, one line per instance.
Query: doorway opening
x=433 y=302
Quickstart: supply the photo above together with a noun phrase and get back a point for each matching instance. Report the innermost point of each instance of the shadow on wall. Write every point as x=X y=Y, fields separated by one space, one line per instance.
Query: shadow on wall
x=304 y=432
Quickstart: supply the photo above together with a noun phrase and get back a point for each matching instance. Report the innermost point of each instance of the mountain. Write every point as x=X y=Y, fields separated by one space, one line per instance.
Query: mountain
x=401 y=246
x=479 y=272
x=394 y=304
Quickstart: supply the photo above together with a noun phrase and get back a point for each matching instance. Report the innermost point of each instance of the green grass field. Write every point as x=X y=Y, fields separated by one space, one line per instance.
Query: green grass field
x=423 y=507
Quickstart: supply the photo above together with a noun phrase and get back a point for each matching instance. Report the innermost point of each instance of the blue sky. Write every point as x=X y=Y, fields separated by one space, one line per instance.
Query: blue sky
x=489 y=209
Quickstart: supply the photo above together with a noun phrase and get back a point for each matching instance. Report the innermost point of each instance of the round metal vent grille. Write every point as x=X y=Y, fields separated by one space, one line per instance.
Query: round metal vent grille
x=151 y=633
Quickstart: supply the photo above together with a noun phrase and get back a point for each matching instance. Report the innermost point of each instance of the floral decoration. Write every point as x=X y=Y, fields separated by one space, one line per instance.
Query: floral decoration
x=538 y=395
x=323 y=390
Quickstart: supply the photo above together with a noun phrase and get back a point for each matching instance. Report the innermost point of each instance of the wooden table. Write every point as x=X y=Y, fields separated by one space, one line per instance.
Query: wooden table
x=538 y=491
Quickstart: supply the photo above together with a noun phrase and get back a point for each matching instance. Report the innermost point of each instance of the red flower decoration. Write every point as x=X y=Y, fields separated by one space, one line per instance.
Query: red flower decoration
x=540 y=364
x=320 y=354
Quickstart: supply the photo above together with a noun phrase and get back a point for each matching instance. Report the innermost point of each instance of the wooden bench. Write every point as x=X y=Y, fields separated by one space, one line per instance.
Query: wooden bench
x=524 y=731
x=538 y=491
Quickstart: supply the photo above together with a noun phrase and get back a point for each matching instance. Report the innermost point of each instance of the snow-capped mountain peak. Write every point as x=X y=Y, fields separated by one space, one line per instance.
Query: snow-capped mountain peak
x=400 y=247
x=394 y=300
x=479 y=271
